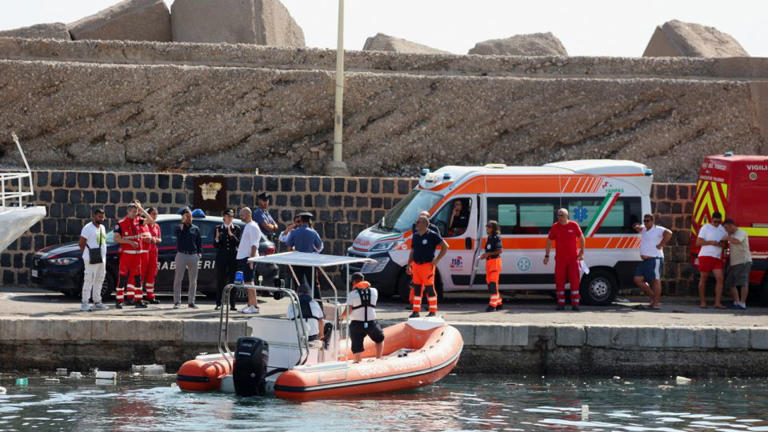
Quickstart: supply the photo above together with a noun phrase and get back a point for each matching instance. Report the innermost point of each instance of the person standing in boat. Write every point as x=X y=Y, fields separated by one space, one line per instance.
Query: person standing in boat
x=226 y=241
x=492 y=257
x=362 y=302
x=305 y=239
x=311 y=313
x=422 y=264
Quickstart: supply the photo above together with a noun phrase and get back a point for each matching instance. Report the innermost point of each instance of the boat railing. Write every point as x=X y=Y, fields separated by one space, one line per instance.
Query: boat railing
x=301 y=331
x=15 y=186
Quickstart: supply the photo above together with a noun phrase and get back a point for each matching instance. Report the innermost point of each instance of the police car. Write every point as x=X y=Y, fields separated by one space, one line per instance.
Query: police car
x=60 y=267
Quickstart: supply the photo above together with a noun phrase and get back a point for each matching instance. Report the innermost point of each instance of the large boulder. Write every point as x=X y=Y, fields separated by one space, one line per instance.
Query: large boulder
x=262 y=22
x=141 y=20
x=678 y=39
x=382 y=42
x=40 y=31
x=535 y=44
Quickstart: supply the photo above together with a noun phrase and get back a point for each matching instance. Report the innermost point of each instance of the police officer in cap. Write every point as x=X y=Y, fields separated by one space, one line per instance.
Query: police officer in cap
x=305 y=239
x=362 y=304
x=311 y=313
x=262 y=217
x=226 y=241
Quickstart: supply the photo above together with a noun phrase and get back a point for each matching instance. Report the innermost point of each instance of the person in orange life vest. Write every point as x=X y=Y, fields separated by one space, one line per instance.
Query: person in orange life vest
x=362 y=304
x=422 y=263
x=568 y=237
x=149 y=265
x=127 y=234
x=492 y=257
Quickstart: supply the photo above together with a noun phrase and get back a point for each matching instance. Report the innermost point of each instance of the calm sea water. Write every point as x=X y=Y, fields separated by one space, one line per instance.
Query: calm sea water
x=458 y=403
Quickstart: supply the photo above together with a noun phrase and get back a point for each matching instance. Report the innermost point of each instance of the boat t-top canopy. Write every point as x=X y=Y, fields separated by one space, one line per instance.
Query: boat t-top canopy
x=309 y=259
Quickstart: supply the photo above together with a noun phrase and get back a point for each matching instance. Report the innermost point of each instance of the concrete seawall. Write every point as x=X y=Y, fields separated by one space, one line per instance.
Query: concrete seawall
x=602 y=350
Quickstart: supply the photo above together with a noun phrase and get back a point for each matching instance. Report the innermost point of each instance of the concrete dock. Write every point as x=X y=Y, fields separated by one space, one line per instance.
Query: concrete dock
x=45 y=330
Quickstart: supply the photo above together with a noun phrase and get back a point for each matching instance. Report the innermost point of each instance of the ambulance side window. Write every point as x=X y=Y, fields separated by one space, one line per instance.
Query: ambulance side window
x=618 y=220
x=522 y=215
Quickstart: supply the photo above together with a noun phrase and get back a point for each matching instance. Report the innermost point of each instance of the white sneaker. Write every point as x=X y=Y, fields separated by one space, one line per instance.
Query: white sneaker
x=245 y=310
x=100 y=306
x=85 y=307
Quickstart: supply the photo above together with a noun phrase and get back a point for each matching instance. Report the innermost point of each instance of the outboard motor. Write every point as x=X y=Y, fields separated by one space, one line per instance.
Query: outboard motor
x=250 y=368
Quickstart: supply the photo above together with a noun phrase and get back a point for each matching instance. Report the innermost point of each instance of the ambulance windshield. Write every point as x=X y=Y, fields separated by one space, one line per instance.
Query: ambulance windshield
x=403 y=215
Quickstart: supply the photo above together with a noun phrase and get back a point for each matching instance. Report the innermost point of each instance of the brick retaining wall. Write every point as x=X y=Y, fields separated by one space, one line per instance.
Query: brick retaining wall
x=343 y=205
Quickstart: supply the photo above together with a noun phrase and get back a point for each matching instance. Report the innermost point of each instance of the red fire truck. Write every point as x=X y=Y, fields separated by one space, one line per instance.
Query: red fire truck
x=737 y=187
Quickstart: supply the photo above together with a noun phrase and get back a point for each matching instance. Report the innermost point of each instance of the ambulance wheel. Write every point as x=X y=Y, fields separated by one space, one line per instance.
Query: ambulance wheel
x=108 y=287
x=599 y=288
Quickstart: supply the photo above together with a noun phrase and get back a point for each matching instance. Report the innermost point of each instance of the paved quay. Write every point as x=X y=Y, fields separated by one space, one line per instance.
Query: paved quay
x=42 y=329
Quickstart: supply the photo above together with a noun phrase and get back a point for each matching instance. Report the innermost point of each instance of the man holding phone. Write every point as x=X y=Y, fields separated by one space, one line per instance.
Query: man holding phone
x=93 y=245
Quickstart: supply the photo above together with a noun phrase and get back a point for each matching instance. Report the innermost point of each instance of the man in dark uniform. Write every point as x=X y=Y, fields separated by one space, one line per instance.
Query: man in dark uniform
x=305 y=239
x=422 y=264
x=226 y=241
x=262 y=217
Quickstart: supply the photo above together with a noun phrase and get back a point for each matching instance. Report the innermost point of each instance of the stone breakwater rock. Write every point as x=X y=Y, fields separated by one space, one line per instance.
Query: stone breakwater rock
x=679 y=39
x=139 y=20
x=280 y=121
x=40 y=31
x=382 y=42
x=535 y=44
x=262 y=22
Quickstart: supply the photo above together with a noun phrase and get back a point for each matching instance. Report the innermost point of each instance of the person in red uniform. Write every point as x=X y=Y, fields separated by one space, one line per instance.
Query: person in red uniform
x=422 y=264
x=492 y=257
x=569 y=250
x=149 y=266
x=127 y=234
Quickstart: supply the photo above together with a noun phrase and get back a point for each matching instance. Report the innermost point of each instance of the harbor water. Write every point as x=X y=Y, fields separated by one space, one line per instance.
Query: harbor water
x=458 y=403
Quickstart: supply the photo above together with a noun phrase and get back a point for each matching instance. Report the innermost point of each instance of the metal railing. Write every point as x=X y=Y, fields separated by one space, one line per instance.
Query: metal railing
x=12 y=184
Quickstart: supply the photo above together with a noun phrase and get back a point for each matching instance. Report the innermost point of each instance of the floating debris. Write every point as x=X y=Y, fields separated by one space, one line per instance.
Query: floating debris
x=75 y=375
x=22 y=382
x=52 y=381
x=106 y=375
x=3 y=390
x=148 y=370
x=585 y=413
x=681 y=380
x=61 y=371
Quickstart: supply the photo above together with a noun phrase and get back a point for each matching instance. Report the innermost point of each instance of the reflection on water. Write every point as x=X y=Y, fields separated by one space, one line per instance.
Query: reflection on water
x=472 y=402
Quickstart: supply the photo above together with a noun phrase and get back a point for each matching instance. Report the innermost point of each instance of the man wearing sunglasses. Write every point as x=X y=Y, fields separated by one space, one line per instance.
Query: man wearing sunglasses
x=648 y=273
x=712 y=238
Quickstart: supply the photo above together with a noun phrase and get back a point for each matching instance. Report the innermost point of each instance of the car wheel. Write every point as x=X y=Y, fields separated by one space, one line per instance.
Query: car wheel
x=404 y=287
x=108 y=287
x=599 y=288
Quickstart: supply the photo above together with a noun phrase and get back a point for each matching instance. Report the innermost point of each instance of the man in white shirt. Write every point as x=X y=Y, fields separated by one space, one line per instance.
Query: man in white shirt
x=740 y=263
x=311 y=312
x=93 y=241
x=711 y=240
x=249 y=248
x=648 y=273
x=362 y=304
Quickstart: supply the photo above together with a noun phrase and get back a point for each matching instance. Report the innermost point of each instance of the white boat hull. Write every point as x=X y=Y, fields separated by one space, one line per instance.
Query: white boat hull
x=15 y=221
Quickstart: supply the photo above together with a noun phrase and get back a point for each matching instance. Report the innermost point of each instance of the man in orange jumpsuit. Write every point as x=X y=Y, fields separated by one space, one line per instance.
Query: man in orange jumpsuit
x=149 y=263
x=492 y=257
x=422 y=264
x=128 y=235
x=568 y=237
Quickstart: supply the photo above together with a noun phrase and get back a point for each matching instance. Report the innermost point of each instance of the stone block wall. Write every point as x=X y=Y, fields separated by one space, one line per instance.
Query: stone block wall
x=343 y=206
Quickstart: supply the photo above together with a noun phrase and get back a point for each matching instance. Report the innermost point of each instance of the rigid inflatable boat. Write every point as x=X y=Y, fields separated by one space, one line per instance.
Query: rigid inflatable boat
x=277 y=358
x=15 y=217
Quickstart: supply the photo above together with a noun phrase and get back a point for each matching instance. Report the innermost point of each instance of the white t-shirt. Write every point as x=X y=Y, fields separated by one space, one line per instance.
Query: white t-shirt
x=311 y=323
x=359 y=313
x=740 y=252
x=708 y=232
x=94 y=237
x=650 y=238
x=251 y=237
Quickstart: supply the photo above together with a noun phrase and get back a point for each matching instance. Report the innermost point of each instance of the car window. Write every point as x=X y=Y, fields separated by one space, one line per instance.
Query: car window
x=207 y=230
x=168 y=233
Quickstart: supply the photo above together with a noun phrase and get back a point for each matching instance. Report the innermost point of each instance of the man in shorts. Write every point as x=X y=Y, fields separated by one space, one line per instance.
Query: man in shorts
x=711 y=239
x=648 y=274
x=362 y=304
x=737 y=279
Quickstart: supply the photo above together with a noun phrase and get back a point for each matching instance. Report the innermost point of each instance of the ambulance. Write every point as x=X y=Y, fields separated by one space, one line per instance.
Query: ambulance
x=737 y=187
x=606 y=197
